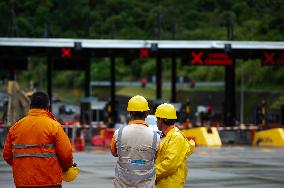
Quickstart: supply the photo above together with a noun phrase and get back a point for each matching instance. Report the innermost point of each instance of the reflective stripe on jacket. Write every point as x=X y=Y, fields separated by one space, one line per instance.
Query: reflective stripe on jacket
x=171 y=161
x=41 y=153
x=136 y=148
x=38 y=149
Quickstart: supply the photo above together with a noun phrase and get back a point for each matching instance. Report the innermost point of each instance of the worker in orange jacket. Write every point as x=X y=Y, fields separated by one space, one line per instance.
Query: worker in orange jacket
x=37 y=147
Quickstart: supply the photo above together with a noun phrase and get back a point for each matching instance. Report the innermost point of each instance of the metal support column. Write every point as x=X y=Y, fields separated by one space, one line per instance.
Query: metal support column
x=230 y=103
x=158 y=77
x=174 y=75
x=112 y=89
x=12 y=75
x=87 y=77
x=49 y=79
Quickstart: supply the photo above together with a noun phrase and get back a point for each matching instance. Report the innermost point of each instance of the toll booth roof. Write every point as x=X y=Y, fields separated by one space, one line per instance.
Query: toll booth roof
x=88 y=99
x=99 y=105
x=161 y=101
x=95 y=104
x=135 y=44
x=177 y=106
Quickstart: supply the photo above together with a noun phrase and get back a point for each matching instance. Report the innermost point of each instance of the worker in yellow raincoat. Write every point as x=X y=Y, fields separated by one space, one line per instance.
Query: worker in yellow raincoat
x=171 y=169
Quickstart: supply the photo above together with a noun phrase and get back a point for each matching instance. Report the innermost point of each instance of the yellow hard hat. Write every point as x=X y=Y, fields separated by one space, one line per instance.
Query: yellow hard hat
x=71 y=173
x=166 y=111
x=138 y=104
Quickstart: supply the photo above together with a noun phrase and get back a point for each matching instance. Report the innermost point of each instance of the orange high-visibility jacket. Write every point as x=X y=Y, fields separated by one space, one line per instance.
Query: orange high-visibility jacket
x=38 y=150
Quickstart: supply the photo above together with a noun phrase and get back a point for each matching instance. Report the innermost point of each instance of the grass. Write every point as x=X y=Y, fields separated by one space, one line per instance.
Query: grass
x=150 y=91
x=103 y=93
x=68 y=95
x=278 y=103
x=269 y=87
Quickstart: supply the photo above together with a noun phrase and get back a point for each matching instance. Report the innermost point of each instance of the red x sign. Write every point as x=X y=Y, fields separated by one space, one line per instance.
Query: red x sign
x=196 y=58
x=144 y=53
x=268 y=58
x=66 y=52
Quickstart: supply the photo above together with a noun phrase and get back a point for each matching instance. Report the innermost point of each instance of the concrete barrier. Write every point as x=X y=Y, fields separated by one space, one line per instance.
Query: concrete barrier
x=271 y=138
x=204 y=136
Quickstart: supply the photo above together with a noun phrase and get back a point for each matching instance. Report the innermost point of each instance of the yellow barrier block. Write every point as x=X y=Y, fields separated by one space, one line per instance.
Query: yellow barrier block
x=272 y=137
x=204 y=136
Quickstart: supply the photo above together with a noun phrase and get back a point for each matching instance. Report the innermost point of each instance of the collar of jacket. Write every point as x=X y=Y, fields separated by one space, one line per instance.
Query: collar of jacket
x=142 y=122
x=40 y=112
x=168 y=130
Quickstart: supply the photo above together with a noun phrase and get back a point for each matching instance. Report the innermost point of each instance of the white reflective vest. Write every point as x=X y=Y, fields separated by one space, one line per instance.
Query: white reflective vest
x=136 y=148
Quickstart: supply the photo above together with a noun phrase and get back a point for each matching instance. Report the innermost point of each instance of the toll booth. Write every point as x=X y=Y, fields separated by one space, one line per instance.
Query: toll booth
x=92 y=116
x=92 y=111
x=282 y=115
x=275 y=119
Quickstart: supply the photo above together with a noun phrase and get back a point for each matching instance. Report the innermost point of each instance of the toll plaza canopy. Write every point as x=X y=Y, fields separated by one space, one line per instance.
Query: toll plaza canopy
x=137 y=44
x=75 y=54
x=190 y=52
x=163 y=45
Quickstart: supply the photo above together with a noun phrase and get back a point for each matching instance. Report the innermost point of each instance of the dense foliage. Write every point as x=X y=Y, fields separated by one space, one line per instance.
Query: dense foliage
x=258 y=20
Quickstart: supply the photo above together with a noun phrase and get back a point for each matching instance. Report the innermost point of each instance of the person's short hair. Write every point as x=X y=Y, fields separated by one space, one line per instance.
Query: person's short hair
x=139 y=115
x=168 y=122
x=40 y=100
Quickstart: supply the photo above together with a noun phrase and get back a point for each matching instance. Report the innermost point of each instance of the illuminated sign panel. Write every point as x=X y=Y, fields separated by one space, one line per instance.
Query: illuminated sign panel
x=144 y=53
x=66 y=52
x=209 y=58
x=272 y=58
x=69 y=59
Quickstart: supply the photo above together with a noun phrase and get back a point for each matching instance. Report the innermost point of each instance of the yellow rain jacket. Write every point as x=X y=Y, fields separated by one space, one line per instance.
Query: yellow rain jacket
x=171 y=170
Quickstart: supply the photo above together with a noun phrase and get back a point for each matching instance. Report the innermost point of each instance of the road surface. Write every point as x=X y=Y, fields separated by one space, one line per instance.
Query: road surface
x=250 y=167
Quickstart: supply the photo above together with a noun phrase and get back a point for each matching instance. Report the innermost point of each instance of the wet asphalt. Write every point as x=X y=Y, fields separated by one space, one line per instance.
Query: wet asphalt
x=250 y=167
